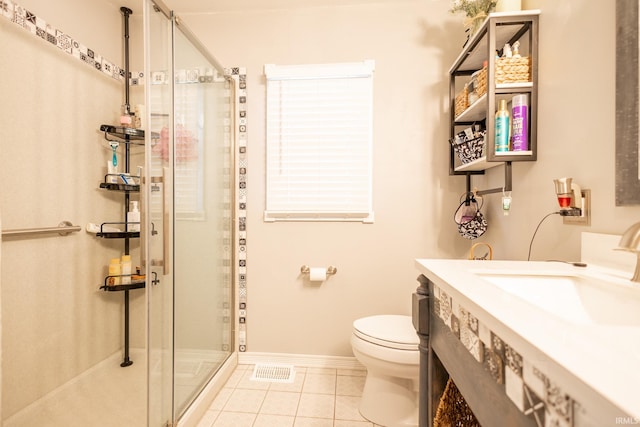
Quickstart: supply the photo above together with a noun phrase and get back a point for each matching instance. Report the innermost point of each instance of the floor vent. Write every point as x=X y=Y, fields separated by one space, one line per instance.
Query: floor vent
x=269 y=372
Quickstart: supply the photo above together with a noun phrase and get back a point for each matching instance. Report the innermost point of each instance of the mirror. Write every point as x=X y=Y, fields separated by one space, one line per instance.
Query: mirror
x=627 y=174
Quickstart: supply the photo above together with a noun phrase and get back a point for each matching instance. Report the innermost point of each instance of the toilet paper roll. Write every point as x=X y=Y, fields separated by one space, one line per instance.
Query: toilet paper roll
x=317 y=274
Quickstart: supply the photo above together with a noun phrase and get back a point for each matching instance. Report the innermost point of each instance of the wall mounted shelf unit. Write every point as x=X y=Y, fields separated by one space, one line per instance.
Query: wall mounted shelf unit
x=479 y=52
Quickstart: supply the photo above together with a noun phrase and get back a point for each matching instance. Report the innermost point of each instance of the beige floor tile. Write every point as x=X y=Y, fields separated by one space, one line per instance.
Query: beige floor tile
x=353 y=372
x=243 y=400
x=313 y=422
x=246 y=382
x=326 y=371
x=347 y=408
x=343 y=423
x=234 y=419
x=208 y=418
x=221 y=399
x=267 y=420
x=319 y=383
x=316 y=405
x=280 y=403
x=295 y=386
x=235 y=377
x=319 y=397
x=349 y=385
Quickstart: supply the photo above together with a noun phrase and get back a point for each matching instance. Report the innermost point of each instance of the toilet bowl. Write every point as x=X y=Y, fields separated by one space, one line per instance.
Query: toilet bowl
x=387 y=345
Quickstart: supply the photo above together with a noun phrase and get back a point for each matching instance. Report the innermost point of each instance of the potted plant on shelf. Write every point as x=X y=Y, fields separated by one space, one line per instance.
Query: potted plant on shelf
x=475 y=10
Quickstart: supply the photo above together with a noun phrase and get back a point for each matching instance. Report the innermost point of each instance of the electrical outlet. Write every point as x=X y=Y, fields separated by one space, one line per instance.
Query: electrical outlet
x=585 y=218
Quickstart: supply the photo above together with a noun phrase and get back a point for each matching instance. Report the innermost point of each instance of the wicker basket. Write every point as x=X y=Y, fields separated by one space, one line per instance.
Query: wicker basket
x=470 y=149
x=481 y=82
x=453 y=410
x=513 y=69
x=462 y=101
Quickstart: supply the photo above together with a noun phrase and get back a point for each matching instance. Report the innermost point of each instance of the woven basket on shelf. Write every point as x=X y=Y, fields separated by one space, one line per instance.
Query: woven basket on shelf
x=462 y=101
x=453 y=410
x=481 y=82
x=470 y=149
x=513 y=69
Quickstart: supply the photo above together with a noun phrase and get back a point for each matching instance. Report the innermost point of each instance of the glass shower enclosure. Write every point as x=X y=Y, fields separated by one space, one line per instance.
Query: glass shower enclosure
x=189 y=232
x=62 y=323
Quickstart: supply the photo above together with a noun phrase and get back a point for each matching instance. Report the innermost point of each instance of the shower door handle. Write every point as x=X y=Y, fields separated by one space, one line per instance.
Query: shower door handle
x=166 y=216
x=143 y=223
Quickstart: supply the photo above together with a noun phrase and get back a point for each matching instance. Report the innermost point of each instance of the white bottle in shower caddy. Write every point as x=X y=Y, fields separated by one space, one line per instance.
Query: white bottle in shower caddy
x=133 y=217
x=125 y=269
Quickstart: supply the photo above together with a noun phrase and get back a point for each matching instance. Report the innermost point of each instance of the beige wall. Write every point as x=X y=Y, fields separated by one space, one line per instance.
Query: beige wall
x=413 y=44
x=414 y=198
x=55 y=321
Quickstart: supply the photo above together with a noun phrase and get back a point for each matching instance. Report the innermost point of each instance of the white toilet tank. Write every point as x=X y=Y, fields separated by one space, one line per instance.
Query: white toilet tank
x=389 y=330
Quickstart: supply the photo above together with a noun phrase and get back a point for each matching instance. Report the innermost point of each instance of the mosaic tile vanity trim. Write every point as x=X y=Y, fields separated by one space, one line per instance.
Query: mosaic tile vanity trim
x=239 y=74
x=538 y=396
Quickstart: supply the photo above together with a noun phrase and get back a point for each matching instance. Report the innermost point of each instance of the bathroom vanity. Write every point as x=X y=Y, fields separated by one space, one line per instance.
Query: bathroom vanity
x=533 y=343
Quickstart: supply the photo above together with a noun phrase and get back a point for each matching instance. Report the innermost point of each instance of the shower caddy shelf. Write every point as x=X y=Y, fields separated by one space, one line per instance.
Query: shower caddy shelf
x=124 y=134
x=128 y=137
x=135 y=284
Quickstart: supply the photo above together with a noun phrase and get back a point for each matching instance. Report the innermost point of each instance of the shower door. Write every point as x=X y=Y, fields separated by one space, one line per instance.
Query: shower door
x=203 y=224
x=189 y=189
x=157 y=225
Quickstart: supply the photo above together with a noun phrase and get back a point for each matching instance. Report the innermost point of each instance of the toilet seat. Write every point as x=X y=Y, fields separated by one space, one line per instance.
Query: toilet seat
x=392 y=331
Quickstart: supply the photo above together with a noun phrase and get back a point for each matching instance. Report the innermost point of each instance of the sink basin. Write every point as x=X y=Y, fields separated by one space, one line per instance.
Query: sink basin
x=579 y=299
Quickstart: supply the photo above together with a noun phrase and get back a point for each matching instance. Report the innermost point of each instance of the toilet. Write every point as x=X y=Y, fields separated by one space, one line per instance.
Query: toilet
x=387 y=345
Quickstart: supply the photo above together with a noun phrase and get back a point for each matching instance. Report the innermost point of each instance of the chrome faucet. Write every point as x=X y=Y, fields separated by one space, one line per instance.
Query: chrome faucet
x=630 y=242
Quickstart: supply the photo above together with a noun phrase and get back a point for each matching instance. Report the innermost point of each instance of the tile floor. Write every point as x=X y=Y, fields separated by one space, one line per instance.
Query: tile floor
x=318 y=397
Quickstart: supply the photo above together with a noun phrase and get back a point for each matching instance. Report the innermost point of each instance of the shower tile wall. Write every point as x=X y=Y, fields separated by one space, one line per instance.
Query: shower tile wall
x=40 y=28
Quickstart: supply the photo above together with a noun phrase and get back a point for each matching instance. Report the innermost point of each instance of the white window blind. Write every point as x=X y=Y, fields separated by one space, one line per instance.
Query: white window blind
x=319 y=142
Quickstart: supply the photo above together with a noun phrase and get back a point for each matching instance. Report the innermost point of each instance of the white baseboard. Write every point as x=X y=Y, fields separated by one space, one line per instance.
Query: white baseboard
x=303 y=360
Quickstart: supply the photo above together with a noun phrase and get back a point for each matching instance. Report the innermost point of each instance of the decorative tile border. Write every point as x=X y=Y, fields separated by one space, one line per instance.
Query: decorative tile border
x=40 y=28
x=533 y=392
x=239 y=74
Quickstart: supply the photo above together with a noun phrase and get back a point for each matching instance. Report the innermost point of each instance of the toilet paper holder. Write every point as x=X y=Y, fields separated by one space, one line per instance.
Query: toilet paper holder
x=305 y=269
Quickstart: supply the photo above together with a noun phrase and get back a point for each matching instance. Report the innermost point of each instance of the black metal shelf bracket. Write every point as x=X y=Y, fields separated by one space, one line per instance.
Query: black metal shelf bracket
x=506 y=187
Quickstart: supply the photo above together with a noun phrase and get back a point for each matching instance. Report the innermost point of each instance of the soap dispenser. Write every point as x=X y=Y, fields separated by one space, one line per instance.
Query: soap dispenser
x=133 y=217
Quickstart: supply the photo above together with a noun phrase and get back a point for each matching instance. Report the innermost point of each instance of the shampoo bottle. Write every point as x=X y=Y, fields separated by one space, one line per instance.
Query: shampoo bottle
x=114 y=272
x=125 y=268
x=133 y=217
x=519 y=117
x=502 y=128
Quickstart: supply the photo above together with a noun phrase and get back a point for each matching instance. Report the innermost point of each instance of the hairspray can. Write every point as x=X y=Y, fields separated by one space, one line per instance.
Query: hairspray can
x=519 y=123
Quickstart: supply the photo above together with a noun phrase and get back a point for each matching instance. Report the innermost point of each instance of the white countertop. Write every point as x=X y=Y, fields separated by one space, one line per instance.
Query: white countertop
x=598 y=364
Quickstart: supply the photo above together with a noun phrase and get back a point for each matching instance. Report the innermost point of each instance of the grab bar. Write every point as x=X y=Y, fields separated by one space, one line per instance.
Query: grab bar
x=64 y=228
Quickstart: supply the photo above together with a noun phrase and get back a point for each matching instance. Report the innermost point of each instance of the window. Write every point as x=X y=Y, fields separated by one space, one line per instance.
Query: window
x=189 y=99
x=319 y=142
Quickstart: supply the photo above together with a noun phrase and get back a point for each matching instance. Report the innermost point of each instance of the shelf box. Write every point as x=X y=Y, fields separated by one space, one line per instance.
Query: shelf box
x=478 y=110
x=471 y=58
x=477 y=165
x=513 y=156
